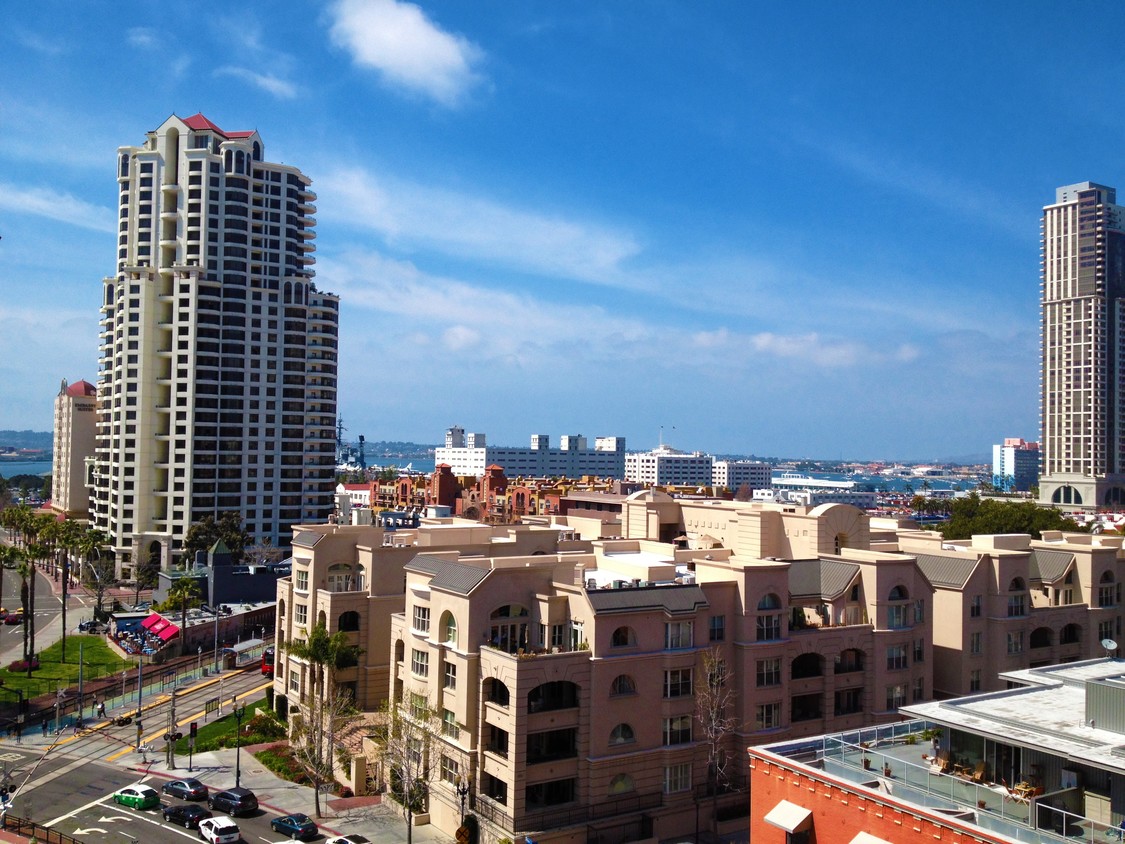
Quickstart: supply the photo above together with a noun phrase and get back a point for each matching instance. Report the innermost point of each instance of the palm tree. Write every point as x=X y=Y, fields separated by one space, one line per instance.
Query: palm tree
x=90 y=545
x=185 y=592
x=324 y=653
x=26 y=572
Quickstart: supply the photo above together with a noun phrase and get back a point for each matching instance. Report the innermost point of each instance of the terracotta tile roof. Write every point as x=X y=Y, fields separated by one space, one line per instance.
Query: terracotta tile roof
x=198 y=121
x=81 y=388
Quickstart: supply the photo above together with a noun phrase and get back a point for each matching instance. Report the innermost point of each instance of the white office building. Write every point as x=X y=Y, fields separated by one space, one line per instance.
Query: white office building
x=469 y=454
x=1015 y=465
x=735 y=474
x=665 y=466
x=218 y=354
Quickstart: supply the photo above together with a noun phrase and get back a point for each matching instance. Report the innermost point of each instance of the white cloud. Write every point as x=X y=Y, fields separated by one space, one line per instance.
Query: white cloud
x=460 y=337
x=461 y=224
x=407 y=49
x=40 y=43
x=56 y=206
x=270 y=84
x=142 y=37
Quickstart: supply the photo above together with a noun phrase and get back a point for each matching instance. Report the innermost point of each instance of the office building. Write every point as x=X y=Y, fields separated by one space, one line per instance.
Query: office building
x=218 y=354
x=75 y=440
x=1015 y=465
x=666 y=466
x=1038 y=763
x=736 y=474
x=470 y=454
x=1082 y=349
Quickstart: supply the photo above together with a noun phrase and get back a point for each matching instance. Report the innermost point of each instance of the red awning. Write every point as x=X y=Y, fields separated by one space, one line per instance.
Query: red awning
x=167 y=632
x=151 y=620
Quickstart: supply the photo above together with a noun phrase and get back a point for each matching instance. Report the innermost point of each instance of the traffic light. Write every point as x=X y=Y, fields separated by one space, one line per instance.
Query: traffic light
x=193 y=729
x=177 y=736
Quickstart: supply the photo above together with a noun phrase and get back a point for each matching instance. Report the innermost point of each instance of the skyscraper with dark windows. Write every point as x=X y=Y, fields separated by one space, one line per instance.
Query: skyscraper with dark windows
x=218 y=354
x=1082 y=401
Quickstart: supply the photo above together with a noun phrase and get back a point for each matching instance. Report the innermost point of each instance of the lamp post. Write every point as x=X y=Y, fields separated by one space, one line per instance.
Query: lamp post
x=199 y=663
x=239 y=712
x=463 y=788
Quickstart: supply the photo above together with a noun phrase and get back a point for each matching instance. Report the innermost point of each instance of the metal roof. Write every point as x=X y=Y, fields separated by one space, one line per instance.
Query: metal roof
x=820 y=578
x=451 y=577
x=946 y=569
x=307 y=538
x=1047 y=565
x=671 y=599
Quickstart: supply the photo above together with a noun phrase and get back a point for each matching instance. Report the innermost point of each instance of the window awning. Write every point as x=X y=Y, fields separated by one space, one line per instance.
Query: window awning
x=789 y=816
x=166 y=632
x=153 y=618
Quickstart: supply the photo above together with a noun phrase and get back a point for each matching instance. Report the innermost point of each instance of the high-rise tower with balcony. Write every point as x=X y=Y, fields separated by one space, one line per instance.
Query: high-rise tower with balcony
x=1082 y=348
x=218 y=354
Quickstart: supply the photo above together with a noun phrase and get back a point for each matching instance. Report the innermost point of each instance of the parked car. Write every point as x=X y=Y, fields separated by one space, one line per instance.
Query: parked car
x=189 y=789
x=349 y=839
x=219 y=831
x=137 y=796
x=14 y=617
x=296 y=826
x=234 y=801
x=187 y=815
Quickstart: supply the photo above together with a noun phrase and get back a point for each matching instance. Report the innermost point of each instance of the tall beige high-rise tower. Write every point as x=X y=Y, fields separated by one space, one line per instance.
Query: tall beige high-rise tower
x=1083 y=348
x=218 y=354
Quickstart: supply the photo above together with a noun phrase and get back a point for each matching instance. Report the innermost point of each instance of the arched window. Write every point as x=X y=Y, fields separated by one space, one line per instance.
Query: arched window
x=496 y=692
x=806 y=665
x=1071 y=634
x=897 y=615
x=448 y=628
x=281 y=608
x=348 y=621
x=623 y=684
x=621 y=734
x=1108 y=594
x=769 y=618
x=124 y=172
x=624 y=637
x=1017 y=603
x=322 y=619
x=341 y=578
x=508 y=630
x=400 y=651
x=1041 y=637
x=621 y=784
x=257 y=151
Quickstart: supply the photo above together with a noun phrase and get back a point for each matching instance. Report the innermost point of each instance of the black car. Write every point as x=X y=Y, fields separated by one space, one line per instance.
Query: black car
x=188 y=789
x=188 y=815
x=234 y=801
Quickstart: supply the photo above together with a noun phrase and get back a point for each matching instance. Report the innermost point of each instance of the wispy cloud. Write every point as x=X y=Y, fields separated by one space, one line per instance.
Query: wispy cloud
x=406 y=49
x=40 y=43
x=412 y=215
x=914 y=178
x=142 y=37
x=56 y=206
x=270 y=84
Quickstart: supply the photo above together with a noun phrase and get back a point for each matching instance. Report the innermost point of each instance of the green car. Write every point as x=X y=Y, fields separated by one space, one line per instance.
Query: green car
x=137 y=796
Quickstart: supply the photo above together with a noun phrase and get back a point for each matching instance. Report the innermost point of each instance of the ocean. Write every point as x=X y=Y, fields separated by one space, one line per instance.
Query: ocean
x=11 y=468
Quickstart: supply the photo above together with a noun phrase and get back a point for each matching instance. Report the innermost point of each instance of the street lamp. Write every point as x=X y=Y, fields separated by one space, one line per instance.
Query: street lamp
x=239 y=712
x=463 y=788
x=199 y=663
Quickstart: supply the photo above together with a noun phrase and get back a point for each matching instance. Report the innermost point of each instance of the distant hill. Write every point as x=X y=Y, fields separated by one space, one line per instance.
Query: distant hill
x=27 y=439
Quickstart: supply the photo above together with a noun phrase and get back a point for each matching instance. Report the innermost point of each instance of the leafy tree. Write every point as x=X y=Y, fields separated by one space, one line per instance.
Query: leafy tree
x=263 y=553
x=207 y=531
x=388 y=473
x=743 y=494
x=974 y=515
x=407 y=738
x=319 y=745
x=324 y=653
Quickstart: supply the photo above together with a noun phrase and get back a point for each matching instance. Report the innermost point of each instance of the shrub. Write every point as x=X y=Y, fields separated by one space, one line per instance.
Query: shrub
x=21 y=664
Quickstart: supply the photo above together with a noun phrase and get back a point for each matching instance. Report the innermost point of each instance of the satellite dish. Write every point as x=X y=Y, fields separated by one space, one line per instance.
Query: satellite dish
x=1109 y=646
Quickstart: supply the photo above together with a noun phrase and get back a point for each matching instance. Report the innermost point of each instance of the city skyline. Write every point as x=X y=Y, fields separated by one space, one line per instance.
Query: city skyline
x=801 y=231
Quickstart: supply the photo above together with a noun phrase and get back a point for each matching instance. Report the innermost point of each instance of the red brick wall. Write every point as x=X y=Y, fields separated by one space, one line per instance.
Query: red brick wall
x=840 y=811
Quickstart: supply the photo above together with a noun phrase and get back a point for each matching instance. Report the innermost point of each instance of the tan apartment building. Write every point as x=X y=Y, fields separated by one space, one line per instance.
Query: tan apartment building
x=566 y=683
x=350 y=578
x=1006 y=603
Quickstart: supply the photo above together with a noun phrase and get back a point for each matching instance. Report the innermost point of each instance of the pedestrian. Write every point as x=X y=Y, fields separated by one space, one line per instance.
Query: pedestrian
x=45 y=726
x=101 y=709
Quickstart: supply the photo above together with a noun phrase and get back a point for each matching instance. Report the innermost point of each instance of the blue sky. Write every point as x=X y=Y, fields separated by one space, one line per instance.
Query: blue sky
x=801 y=229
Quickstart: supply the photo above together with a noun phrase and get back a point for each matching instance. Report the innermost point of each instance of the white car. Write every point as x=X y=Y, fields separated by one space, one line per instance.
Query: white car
x=349 y=839
x=219 y=831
